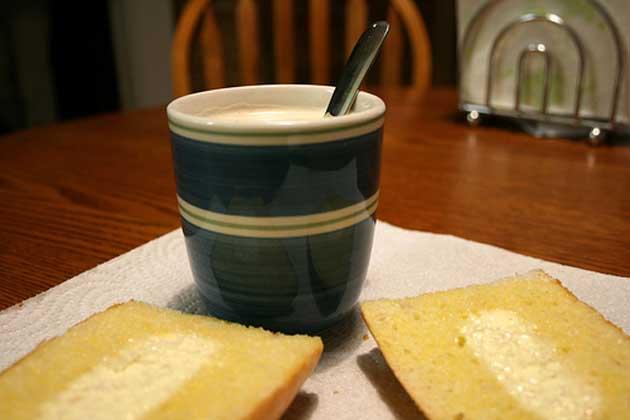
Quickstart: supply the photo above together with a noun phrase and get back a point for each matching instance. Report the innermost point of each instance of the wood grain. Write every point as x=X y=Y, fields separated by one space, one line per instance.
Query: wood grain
x=284 y=40
x=392 y=58
x=182 y=44
x=403 y=14
x=319 y=41
x=212 y=51
x=419 y=43
x=356 y=22
x=248 y=37
x=77 y=194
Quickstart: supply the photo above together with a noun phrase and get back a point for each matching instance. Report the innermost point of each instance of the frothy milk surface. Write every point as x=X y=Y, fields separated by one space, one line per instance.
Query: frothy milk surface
x=276 y=114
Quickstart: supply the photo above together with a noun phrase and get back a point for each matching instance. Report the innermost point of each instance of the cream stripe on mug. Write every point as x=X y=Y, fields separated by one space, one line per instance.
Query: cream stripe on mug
x=277 y=220
x=278 y=227
x=278 y=139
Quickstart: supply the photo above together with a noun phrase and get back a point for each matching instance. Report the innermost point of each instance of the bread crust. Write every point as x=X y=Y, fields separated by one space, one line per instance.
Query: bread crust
x=578 y=301
x=270 y=408
x=429 y=410
x=275 y=405
x=42 y=344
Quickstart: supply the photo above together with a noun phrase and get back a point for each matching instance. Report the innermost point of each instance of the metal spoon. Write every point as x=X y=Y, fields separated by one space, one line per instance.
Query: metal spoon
x=361 y=58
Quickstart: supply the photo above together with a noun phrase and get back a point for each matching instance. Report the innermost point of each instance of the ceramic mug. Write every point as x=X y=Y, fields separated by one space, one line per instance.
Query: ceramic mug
x=278 y=218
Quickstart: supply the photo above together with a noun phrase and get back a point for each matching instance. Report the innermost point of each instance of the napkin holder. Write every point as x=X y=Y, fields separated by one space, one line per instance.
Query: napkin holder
x=543 y=122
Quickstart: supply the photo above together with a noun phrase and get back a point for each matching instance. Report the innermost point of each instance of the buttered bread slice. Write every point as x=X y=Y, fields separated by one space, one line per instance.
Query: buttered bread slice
x=137 y=361
x=521 y=348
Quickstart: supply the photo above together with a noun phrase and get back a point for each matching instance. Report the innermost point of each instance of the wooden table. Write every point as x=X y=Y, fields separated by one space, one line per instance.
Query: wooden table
x=79 y=193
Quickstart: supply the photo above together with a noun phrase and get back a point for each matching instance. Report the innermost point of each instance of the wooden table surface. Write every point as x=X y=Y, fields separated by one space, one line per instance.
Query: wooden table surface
x=79 y=193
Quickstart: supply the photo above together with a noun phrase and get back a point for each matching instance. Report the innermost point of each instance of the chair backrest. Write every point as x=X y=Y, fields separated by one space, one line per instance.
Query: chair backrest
x=198 y=17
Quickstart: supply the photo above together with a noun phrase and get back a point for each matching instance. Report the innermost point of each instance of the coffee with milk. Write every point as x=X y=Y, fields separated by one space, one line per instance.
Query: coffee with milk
x=262 y=113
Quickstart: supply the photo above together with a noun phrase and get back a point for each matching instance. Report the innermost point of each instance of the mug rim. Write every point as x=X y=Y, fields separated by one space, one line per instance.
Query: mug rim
x=371 y=110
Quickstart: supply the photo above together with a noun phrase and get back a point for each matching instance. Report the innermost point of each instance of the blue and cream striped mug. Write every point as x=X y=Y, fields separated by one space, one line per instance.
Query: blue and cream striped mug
x=278 y=213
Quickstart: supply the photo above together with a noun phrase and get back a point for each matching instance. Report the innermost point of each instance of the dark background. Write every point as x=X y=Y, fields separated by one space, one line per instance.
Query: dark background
x=67 y=59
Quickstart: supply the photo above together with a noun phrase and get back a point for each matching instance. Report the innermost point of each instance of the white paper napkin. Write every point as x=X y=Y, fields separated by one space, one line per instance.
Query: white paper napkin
x=352 y=380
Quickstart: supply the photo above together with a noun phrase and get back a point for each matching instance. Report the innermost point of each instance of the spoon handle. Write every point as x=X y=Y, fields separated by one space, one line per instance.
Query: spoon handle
x=361 y=58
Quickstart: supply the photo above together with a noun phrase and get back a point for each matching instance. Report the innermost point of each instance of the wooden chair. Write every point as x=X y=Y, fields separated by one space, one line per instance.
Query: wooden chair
x=402 y=15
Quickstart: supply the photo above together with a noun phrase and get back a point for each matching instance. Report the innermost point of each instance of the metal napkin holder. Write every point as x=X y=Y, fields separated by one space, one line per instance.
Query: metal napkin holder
x=596 y=128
